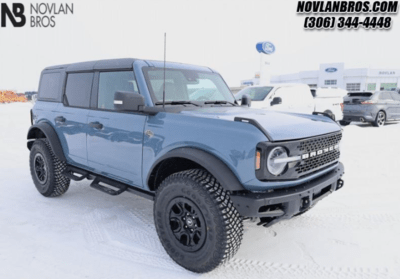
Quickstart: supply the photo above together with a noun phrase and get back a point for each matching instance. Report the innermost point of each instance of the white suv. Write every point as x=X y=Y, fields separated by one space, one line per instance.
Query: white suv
x=281 y=97
x=330 y=101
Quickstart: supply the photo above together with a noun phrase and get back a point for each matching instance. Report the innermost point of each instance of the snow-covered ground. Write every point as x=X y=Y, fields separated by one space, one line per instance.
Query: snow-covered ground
x=354 y=233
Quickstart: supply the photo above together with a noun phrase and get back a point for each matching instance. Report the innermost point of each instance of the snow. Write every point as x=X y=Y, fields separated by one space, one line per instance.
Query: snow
x=353 y=233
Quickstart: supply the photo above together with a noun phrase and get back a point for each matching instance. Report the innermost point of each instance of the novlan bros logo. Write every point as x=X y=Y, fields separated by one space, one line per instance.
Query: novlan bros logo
x=41 y=14
x=16 y=12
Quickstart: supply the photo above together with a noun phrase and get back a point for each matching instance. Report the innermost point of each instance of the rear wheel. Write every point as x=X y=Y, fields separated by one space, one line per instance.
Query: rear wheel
x=380 y=119
x=344 y=123
x=46 y=170
x=196 y=221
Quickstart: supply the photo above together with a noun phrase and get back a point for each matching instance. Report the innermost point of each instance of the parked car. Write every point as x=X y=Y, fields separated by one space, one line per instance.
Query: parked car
x=280 y=97
x=29 y=95
x=206 y=162
x=329 y=101
x=374 y=107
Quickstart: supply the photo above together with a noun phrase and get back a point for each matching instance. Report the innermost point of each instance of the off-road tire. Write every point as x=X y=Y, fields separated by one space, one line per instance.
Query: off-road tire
x=55 y=184
x=380 y=119
x=224 y=225
x=344 y=123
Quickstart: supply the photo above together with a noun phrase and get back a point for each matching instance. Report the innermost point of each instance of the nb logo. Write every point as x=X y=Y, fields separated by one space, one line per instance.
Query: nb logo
x=15 y=15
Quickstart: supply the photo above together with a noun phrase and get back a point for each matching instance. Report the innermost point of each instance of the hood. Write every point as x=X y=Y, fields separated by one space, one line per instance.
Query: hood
x=279 y=125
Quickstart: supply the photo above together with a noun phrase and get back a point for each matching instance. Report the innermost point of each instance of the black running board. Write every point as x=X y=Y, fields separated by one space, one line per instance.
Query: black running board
x=96 y=185
x=70 y=172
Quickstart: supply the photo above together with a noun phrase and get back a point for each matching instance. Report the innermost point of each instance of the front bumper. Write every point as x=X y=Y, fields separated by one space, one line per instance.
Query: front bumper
x=280 y=204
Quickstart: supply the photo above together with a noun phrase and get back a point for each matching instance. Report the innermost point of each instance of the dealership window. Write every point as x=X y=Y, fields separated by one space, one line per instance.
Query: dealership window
x=388 y=86
x=353 y=86
x=330 y=82
x=371 y=86
x=111 y=82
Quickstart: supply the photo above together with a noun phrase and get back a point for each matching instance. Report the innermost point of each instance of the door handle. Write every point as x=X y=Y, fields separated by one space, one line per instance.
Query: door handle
x=96 y=125
x=60 y=119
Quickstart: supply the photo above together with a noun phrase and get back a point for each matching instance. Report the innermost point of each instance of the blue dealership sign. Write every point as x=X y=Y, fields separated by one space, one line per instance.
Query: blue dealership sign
x=330 y=70
x=265 y=47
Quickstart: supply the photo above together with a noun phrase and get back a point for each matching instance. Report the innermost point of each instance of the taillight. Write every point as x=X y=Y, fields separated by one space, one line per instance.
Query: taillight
x=341 y=106
x=369 y=102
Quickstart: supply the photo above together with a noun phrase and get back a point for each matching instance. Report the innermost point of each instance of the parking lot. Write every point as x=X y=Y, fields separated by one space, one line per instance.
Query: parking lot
x=353 y=233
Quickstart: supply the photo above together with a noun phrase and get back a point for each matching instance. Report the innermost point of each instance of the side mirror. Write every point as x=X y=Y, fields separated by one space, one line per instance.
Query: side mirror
x=128 y=101
x=246 y=100
x=276 y=101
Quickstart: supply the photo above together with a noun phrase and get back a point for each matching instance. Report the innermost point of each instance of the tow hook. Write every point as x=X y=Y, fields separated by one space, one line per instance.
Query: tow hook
x=305 y=203
x=339 y=184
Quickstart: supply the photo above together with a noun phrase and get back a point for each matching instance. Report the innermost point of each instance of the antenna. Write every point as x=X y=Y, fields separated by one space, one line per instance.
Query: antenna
x=165 y=57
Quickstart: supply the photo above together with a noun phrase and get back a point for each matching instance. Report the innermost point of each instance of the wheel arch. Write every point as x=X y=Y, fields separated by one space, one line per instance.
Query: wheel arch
x=45 y=130
x=185 y=158
x=382 y=110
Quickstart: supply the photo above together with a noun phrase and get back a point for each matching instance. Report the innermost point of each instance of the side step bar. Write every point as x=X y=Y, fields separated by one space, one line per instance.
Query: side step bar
x=70 y=172
x=78 y=174
x=96 y=185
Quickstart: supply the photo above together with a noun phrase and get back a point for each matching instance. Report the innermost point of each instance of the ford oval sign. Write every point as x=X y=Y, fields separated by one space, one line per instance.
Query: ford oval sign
x=330 y=70
x=265 y=47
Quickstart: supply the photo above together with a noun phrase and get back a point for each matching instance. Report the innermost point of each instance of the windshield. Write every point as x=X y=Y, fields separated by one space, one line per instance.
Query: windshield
x=255 y=93
x=186 y=85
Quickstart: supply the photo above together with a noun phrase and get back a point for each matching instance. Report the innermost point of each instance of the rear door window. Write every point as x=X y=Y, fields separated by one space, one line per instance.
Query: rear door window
x=395 y=96
x=385 y=96
x=111 y=82
x=78 y=89
x=50 y=86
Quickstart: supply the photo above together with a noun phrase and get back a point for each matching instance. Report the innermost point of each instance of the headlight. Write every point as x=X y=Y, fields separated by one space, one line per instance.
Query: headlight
x=274 y=167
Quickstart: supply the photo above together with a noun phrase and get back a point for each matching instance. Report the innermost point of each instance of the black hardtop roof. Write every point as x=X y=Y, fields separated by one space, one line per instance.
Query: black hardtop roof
x=123 y=63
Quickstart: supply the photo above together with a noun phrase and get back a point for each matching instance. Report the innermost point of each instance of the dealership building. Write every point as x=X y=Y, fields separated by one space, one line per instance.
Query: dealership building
x=335 y=75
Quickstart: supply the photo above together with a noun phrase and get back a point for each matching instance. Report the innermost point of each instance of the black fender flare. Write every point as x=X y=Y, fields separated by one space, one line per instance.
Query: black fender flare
x=45 y=130
x=209 y=162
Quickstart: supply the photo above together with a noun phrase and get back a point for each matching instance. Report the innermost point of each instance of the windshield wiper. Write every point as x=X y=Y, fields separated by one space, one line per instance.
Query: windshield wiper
x=179 y=103
x=219 y=102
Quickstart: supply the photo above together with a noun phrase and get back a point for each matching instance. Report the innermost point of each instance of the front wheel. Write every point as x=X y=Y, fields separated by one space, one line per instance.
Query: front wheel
x=380 y=119
x=196 y=221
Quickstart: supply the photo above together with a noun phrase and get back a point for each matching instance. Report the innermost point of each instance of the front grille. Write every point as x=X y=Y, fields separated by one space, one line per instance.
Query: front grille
x=319 y=161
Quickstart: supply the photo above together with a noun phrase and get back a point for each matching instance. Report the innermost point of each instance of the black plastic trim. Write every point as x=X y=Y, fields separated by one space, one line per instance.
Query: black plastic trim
x=323 y=113
x=290 y=199
x=256 y=124
x=50 y=134
x=212 y=164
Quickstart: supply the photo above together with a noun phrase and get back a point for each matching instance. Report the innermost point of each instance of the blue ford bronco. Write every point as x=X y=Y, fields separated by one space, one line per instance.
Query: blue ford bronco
x=175 y=134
